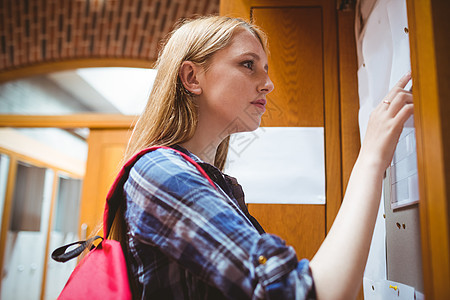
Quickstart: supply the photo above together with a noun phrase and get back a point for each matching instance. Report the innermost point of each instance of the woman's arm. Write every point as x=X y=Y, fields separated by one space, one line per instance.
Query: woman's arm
x=173 y=208
x=339 y=264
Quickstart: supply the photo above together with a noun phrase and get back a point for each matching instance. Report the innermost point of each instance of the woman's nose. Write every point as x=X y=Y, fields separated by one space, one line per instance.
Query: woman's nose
x=266 y=85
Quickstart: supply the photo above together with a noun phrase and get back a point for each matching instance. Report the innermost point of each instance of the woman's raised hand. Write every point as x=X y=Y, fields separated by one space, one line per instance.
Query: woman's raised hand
x=339 y=264
x=386 y=124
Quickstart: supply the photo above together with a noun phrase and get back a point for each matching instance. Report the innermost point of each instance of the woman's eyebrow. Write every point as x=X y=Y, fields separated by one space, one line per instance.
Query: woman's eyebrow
x=256 y=57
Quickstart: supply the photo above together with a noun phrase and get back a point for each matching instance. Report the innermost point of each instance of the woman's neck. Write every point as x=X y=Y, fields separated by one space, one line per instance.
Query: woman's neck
x=207 y=137
x=204 y=146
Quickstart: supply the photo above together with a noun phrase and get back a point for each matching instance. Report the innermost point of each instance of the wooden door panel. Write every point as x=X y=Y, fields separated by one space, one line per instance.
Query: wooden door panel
x=296 y=68
x=301 y=226
x=296 y=65
x=106 y=148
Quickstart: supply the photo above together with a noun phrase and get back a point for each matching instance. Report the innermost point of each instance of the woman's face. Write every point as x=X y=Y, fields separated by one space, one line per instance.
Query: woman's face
x=235 y=86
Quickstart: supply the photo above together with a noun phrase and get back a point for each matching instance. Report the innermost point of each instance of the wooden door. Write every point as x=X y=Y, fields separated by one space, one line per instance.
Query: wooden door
x=106 y=149
x=296 y=69
x=303 y=66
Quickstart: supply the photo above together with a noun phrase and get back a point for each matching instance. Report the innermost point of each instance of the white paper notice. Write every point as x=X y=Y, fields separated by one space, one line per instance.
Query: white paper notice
x=385 y=59
x=373 y=85
x=385 y=290
x=404 y=180
x=279 y=164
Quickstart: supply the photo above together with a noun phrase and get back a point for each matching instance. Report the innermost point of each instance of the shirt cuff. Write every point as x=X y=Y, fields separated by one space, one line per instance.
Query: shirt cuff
x=278 y=270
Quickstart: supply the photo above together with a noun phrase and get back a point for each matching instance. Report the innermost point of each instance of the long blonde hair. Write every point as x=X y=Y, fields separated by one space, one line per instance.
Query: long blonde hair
x=170 y=116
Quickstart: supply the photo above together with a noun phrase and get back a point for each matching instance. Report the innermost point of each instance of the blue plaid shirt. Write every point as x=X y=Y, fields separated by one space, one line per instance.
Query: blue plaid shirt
x=188 y=240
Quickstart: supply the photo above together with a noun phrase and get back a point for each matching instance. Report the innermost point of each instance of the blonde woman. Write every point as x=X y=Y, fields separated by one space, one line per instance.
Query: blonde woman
x=189 y=240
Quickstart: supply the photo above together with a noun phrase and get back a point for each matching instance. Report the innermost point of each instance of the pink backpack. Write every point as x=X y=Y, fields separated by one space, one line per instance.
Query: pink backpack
x=102 y=273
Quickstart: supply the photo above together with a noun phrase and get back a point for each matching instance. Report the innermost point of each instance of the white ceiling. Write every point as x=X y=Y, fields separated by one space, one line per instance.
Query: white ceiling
x=108 y=90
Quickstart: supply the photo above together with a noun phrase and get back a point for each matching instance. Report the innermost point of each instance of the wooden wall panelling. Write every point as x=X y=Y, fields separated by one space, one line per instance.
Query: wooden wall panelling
x=311 y=72
x=330 y=87
x=296 y=65
x=301 y=226
x=235 y=8
x=106 y=149
x=349 y=98
x=88 y=120
x=295 y=41
x=429 y=27
x=348 y=92
x=332 y=113
x=325 y=92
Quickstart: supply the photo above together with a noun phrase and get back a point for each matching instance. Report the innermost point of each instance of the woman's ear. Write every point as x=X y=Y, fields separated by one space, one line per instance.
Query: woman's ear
x=188 y=76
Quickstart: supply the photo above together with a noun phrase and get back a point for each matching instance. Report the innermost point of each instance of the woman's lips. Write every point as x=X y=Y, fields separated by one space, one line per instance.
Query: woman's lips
x=260 y=103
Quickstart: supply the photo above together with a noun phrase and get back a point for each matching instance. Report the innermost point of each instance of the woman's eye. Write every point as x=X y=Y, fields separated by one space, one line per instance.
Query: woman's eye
x=248 y=64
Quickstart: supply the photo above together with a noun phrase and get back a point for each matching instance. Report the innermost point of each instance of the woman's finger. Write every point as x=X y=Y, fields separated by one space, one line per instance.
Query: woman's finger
x=398 y=87
x=405 y=112
x=403 y=81
x=400 y=100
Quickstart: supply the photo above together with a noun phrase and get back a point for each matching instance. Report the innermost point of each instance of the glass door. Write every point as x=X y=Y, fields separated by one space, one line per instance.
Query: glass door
x=64 y=231
x=26 y=235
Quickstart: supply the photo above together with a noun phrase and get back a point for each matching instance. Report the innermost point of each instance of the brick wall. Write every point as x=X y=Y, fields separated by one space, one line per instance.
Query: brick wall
x=39 y=31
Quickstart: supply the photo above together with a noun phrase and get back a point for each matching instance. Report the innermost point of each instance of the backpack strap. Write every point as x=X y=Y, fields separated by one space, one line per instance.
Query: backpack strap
x=113 y=201
x=61 y=255
x=115 y=194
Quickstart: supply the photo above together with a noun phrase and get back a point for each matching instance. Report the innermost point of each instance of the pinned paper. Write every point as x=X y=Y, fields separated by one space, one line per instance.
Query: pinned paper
x=387 y=290
x=404 y=180
x=385 y=59
x=282 y=165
